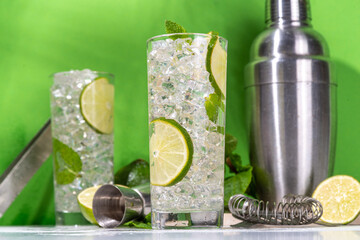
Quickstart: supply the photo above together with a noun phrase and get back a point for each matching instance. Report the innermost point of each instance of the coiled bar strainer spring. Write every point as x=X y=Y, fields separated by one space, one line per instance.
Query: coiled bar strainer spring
x=292 y=210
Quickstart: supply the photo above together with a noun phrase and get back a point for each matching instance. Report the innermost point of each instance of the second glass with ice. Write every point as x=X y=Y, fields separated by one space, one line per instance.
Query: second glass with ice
x=82 y=130
x=187 y=92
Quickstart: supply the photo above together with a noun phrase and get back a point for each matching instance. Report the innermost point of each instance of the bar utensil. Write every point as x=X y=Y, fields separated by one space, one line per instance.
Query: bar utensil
x=24 y=166
x=291 y=99
x=292 y=210
x=114 y=205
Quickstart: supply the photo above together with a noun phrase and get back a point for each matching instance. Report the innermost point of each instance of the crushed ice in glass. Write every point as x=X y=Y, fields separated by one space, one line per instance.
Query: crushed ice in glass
x=68 y=126
x=178 y=84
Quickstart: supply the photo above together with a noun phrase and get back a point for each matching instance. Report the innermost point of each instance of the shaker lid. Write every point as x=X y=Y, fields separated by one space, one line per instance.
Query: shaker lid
x=284 y=11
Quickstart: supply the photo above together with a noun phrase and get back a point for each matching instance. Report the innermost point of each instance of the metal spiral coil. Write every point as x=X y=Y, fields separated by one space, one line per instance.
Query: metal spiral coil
x=292 y=210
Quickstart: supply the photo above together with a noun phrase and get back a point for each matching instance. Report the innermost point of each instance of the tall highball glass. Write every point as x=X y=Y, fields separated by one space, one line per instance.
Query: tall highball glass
x=82 y=131
x=186 y=96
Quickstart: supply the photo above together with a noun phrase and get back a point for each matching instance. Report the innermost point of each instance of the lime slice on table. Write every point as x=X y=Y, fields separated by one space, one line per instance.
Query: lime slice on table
x=340 y=198
x=216 y=65
x=171 y=151
x=97 y=105
x=85 y=199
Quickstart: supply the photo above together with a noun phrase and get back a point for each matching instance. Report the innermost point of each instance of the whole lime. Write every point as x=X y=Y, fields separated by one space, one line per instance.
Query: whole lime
x=133 y=174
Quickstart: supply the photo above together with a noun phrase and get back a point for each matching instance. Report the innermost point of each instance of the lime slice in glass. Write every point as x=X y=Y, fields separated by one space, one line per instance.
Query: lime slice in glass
x=171 y=151
x=340 y=198
x=85 y=199
x=97 y=105
x=216 y=65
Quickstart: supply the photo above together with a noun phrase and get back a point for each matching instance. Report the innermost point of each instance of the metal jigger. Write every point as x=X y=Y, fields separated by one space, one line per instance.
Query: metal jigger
x=114 y=205
x=291 y=93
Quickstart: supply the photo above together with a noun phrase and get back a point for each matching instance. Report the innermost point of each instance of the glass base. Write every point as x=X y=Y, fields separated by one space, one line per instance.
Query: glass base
x=70 y=218
x=187 y=220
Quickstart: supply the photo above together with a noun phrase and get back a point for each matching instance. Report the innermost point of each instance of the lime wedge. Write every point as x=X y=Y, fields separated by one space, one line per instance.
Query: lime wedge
x=85 y=199
x=340 y=198
x=171 y=151
x=97 y=105
x=216 y=65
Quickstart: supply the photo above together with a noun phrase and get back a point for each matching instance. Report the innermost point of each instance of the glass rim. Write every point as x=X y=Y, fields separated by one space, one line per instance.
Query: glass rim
x=70 y=71
x=168 y=35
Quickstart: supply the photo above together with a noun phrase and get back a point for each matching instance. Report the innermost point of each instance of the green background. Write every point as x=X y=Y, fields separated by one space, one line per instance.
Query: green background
x=40 y=37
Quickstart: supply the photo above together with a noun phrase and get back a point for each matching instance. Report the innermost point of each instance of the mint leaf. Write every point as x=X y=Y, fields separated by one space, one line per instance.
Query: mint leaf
x=237 y=184
x=67 y=163
x=172 y=27
x=214 y=106
x=138 y=224
x=230 y=144
x=235 y=164
x=145 y=223
x=148 y=218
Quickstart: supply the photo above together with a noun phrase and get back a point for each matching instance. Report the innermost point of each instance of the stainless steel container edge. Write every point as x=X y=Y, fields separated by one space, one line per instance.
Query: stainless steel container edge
x=114 y=205
x=291 y=100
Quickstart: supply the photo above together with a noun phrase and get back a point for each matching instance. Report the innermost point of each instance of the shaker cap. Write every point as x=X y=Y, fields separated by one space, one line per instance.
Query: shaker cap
x=286 y=11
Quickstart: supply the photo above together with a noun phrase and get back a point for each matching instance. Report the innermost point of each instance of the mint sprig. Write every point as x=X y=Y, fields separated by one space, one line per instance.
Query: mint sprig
x=233 y=160
x=241 y=182
x=67 y=163
x=237 y=184
x=144 y=223
x=172 y=27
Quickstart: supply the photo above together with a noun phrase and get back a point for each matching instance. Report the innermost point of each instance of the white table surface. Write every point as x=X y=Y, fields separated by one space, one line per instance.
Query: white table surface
x=241 y=231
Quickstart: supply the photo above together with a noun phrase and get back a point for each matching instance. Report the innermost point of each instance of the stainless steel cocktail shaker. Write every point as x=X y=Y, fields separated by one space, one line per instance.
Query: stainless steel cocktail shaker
x=291 y=100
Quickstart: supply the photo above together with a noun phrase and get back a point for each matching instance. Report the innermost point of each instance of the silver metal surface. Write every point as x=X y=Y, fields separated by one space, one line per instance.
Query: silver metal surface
x=114 y=205
x=292 y=210
x=144 y=192
x=16 y=176
x=252 y=232
x=287 y=11
x=291 y=99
